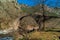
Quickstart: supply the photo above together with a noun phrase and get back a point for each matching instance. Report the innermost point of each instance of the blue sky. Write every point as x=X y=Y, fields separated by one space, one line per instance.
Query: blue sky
x=29 y=2
x=50 y=3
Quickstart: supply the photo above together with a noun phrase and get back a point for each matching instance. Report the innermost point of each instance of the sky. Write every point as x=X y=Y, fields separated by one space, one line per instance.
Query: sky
x=50 y=3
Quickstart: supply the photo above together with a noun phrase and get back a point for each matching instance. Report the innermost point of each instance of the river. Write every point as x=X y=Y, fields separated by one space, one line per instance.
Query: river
x=6 y=38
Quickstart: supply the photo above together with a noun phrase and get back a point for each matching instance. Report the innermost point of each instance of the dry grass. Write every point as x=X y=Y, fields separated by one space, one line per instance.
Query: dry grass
x=44 y=35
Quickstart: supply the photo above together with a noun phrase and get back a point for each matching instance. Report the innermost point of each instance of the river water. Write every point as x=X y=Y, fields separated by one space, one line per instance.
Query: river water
x=6 y=38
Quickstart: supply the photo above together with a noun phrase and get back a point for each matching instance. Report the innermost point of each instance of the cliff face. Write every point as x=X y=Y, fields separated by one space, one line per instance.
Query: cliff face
x=9 y=11
x=7 y=0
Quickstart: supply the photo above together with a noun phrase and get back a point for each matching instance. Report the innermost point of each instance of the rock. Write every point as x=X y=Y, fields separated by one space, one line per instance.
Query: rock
x=28 y=23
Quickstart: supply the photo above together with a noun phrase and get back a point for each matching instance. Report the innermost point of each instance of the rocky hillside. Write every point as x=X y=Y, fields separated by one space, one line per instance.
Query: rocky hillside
x=28 y=26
